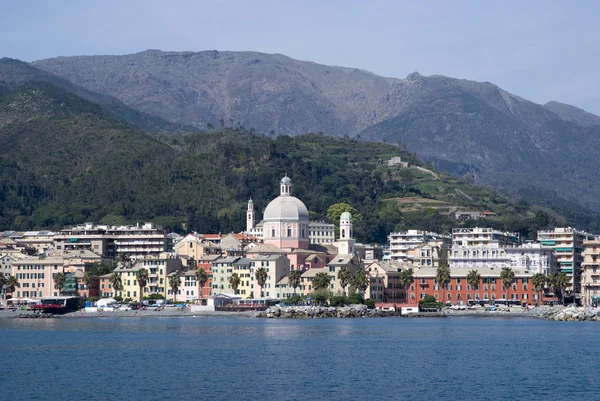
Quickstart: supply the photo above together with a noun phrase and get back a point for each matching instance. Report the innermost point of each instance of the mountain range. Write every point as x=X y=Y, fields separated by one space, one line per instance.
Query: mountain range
x=543 y=154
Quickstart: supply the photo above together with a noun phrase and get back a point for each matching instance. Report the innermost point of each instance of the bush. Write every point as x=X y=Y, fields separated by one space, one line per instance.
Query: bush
x=92 y=299
x=428 y=299
x=293 y=299
x=118 y=298
x=126 y=300
x=356 y=299
x=370 y=303
x=338 y=301
x=319 y=297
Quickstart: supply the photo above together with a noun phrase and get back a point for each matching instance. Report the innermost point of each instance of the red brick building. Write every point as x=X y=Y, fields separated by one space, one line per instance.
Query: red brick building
x=490 y=287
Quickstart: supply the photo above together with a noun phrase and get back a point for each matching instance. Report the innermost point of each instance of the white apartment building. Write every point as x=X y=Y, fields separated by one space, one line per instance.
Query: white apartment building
x=532 y=257
x=481 y=248
x=403 y=242
x=110 y=241
x=567 y=244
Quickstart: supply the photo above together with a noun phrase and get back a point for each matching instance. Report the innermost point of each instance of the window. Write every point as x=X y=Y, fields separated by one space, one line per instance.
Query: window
x=289 y=231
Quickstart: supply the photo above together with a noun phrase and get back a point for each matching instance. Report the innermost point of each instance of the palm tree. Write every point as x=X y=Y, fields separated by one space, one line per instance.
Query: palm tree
x=235 y=281
x=360 y=281
x=2 y=284
x=174 y=282
x=406 y=279
x=321 y=280
x=443 y=278
x=201 y=278
x=59 y=282
x=261 y=278
x=473 y=279
x=116 y=282
x=561 y=284
x=142 y=276
x=507 y=276
x=11 y=283
x=294 y=279
x=539 y=280
x=344 y=276
x=88 y=278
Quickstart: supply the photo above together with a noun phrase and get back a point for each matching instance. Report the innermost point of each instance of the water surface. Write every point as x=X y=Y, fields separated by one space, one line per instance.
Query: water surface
x=339 y=359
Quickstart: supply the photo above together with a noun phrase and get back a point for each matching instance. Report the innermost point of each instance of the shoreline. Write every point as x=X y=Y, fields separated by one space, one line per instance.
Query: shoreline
x=557 y=313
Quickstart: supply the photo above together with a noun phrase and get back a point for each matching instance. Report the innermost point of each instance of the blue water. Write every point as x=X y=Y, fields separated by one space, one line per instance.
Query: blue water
x=338 y=359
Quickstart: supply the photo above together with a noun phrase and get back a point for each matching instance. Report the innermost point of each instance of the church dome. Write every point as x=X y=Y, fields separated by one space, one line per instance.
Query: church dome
x=286 y=180
x=285 y=208
x=346 y=216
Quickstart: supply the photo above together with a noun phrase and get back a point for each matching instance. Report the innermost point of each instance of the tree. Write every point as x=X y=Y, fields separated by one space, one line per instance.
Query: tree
x=234 y=281
x=201 y=278
x=261 y=276
x=344 y=276
x=88 y=278
x=3 y=280
x=59 y=281
x=473 y=279
x=174 y=282
x=321 y=280
x=406 y=279
x=142 y=276
x=116 y=282
x=507 y=276
x=335 y=211
x=360 y=281
x=559 y=283
x=294 y=279
x=539 y=280
x=12 y=282
x=443 y=278
x=123 y=260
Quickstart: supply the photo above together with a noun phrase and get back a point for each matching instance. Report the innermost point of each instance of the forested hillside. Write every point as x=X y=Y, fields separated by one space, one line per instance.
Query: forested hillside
x=65 y=160
x=546 y=154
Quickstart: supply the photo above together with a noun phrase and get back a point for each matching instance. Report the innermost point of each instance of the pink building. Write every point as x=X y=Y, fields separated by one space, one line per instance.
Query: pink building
x=285 y=221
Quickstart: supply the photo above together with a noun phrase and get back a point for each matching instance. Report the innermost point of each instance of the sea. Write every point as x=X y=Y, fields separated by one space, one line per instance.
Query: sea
x=236 y=358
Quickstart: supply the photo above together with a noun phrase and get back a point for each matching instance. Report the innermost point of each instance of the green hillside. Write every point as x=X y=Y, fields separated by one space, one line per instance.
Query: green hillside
x=64 y=160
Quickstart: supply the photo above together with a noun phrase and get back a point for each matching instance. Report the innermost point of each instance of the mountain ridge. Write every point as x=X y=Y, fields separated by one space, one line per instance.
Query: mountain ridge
x=461 y=126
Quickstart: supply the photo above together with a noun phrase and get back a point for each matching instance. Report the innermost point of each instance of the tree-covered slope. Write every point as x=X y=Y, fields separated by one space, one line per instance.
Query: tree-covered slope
x=65 y=160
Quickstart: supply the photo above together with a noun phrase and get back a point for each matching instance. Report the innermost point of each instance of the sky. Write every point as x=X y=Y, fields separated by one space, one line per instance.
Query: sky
x=539 y=50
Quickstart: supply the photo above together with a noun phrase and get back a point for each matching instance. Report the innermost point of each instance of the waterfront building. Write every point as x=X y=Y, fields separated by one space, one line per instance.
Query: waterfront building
x=348 y=262
x=489 y=290
x=567 y=244
x=106 y=288
x=221 y=270
x=277 y=266
x=110 y=241
x=590 y=277
x=401 y=243
x=242 y=267
x=158 y=267
x=532 y=256
x=477 y=247
x=384 y=281
x=36 y=276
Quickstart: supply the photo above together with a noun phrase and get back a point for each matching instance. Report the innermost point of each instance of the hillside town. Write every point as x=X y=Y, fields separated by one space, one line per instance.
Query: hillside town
x=286 y=256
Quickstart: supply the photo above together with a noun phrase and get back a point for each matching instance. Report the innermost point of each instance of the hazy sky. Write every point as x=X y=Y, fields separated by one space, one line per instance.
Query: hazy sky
x=540 y=50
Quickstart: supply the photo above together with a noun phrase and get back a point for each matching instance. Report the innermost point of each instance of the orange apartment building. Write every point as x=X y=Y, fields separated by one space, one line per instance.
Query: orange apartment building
x=490 y=287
